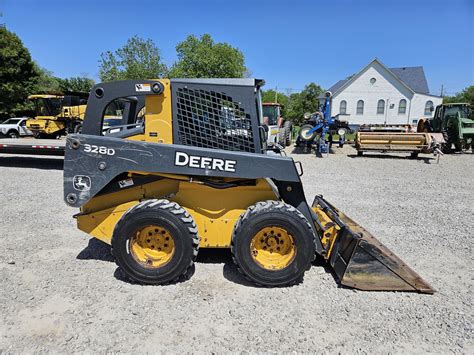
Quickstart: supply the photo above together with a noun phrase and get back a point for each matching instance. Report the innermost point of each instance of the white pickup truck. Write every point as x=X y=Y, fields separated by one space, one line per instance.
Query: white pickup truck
x=14 y=128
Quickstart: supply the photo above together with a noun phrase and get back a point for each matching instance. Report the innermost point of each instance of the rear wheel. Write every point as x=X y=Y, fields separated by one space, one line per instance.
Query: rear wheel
x=281 y=137
x=448 y=137
x=273 y=244
x=287 y=128
x=155 y=242
x=13 y=134
x=360 y=153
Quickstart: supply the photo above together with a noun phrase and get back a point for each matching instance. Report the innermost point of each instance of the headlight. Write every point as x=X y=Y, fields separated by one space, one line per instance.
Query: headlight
x=341 y=131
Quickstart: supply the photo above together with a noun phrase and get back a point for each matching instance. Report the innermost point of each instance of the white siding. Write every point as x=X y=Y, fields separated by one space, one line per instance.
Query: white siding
x=387 y=88
x=418 y=106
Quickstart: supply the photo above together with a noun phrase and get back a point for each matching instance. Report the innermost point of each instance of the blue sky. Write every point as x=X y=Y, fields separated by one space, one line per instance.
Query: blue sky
x=287 y=43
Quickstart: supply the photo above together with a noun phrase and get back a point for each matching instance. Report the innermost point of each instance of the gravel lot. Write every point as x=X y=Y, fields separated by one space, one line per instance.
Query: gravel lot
x=61 y=292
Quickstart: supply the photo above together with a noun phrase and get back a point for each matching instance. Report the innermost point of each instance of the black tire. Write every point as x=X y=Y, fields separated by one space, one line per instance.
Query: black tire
x=13 y=134
x=287 y=128
x=277 y=214
x=164 y=214
x=307 y=138
x=78 y=128
x=282 y=137
x=449 y=138
x=414 y=155
x=360 y=153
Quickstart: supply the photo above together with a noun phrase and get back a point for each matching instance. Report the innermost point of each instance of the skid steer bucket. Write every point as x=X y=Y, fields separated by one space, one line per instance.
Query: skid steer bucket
x=358 y=258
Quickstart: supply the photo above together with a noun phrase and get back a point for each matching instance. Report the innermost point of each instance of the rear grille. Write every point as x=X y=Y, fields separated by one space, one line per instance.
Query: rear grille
x=211 y=119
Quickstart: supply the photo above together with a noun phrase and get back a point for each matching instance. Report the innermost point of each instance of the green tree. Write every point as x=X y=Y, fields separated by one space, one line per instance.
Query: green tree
x=274 y=96
x=467 y=95
x=137 y=59
x=303 y=102
x=46 y=82
x=203 y=58
x=18 y=73
x=78 y=83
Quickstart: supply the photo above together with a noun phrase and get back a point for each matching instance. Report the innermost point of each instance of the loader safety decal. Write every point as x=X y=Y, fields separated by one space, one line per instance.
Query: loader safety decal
x=142 y=87
x=126 y=183
x=207 y=163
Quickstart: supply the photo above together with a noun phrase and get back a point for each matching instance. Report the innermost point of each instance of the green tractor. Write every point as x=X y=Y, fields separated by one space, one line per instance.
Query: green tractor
x=456 y=122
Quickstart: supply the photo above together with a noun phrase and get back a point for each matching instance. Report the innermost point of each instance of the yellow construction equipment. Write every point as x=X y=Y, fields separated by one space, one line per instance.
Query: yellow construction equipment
x=196 y=172
x=57 y=114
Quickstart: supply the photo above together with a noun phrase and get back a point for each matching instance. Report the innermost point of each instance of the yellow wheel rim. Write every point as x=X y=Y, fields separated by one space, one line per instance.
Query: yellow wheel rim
x=273 y=248
x=152 y=246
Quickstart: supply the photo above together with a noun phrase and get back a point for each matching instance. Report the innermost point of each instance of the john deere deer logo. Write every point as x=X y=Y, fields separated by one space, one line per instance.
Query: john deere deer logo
x=82 y=183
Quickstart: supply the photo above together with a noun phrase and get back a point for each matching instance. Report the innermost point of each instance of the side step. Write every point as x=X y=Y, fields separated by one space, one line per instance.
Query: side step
x=361 y=261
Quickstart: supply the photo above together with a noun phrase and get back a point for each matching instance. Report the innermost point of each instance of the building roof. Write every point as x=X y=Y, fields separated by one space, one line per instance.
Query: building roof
x=413 y=77
x=338 y=85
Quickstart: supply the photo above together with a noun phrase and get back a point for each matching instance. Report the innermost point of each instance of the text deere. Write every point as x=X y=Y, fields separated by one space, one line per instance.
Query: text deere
x=194 y=161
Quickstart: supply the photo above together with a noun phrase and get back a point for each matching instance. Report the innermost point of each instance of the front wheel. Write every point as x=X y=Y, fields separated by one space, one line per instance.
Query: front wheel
x=155 y=242
x=306 y=134
x=78 y=128
x=273 y=244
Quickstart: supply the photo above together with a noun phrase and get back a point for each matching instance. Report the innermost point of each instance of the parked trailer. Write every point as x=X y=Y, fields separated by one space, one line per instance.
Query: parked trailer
x=413 y=143
x=33 y=146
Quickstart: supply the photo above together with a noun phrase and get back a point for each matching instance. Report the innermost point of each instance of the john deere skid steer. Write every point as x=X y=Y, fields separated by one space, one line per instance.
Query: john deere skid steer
x=196 y=173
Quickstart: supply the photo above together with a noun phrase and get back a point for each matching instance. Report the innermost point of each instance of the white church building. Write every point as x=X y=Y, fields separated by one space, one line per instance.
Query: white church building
x=381 y=95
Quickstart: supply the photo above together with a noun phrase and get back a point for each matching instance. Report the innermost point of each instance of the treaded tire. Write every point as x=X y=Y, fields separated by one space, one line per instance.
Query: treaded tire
x=446 y=147
x=282 y=137
x=78 y=128
x=273 y=213
x=288 y=127
x=168 y=215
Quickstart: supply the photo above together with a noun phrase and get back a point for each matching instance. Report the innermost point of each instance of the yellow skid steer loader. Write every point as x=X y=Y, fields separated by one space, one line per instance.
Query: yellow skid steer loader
x=194 y=173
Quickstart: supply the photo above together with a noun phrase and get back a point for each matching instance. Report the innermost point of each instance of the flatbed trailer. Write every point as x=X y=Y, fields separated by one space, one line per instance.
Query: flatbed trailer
x=33 y=146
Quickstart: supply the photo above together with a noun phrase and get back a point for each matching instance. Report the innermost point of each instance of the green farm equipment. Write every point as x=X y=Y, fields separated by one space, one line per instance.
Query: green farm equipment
x=456 y=122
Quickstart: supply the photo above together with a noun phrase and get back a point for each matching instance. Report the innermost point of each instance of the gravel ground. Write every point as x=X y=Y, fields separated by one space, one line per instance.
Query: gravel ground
x=61 y=292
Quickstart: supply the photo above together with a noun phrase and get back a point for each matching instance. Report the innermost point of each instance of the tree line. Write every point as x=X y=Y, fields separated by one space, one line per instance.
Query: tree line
x=467 y=95
x=138 y=58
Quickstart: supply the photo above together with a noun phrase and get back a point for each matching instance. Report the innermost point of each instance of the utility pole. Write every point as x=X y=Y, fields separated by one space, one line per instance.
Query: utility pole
x=442 y=89
x=276 y=94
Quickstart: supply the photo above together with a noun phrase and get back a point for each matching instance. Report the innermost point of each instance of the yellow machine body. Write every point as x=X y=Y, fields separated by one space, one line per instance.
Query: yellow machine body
x=358 y=259
x=50 y=124
x=214 y=211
